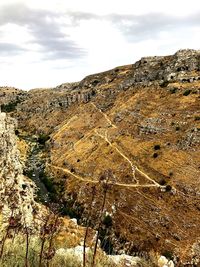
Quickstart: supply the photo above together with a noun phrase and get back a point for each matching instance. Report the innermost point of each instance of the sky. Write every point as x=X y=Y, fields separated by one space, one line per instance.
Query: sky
x=44 y=43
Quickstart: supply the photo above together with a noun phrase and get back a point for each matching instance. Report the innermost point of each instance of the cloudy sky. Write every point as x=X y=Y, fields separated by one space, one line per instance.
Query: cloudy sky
x=44 y=43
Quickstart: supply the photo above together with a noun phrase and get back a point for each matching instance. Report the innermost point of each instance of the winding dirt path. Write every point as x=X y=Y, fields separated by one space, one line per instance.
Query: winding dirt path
x=133 y=167
x=109 y=183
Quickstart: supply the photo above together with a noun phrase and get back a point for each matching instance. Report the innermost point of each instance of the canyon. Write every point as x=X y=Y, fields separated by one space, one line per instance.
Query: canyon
x=125 y=141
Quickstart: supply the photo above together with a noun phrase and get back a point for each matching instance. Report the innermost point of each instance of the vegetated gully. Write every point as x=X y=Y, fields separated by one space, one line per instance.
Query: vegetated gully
x=35 y=169
x=47 y=192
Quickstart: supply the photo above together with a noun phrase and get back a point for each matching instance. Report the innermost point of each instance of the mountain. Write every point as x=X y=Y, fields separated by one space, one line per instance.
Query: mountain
x=125 y=141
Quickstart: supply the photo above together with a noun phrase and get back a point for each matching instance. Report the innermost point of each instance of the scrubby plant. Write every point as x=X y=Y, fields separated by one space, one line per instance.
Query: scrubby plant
x=173 y=90
x=162 y=181
x=42 y=138
x=155 y=155
x=187 y=92
x=11 y=106
x=157 y=147
x=107 y=221
x=168 y=188
x=168 y=254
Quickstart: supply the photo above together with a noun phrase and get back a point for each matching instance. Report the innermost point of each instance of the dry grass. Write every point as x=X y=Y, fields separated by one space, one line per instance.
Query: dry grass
x=15 y=250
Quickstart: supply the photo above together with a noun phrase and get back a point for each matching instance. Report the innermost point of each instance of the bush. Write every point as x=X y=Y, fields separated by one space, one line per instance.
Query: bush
x=187 y=92
x=168 y=255
x=107 y=221
x=173 y=90
x=168 y=188
x=43 y=138
x=162 y=181
x=16 y=132
x=164 y=84
x=155 y=155
x=9 y=107
x=157 y=147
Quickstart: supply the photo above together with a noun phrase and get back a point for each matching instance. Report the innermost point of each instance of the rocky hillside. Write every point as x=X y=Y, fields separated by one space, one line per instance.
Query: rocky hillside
x=16 y=191
x=128 y=137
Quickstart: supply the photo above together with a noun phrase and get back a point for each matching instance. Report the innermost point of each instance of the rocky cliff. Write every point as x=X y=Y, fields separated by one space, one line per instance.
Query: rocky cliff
x=16 y=191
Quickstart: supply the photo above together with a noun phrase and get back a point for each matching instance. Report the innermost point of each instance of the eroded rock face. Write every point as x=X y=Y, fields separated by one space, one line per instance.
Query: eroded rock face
x=16 y=191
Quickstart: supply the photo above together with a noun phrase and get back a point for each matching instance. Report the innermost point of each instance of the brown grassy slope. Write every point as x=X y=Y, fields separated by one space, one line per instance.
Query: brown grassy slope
x=126 y=136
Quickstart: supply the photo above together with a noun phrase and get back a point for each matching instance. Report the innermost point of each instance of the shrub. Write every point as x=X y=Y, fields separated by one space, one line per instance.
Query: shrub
x=177 y=128
x=187 y=92
x=9 y=107
x=16 y=132
x=168 y=188
x=43 y=138
x=47 y=182
x=168 y=255
x=173 y=90
x=107 y=221
x=155 y=155
x=157 y=147
x=162 y=181
x=164 y=84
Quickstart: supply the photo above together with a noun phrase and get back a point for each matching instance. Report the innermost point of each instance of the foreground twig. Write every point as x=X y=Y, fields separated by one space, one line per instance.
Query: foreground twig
x=87 y=226
x=104 y=179
x=27 y=247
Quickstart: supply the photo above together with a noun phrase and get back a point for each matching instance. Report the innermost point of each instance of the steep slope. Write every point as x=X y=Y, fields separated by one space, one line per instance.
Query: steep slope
x=147 y=133
x=148 y=139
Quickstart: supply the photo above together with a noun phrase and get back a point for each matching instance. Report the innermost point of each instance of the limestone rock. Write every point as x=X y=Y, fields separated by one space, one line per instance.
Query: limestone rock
x=16 y=191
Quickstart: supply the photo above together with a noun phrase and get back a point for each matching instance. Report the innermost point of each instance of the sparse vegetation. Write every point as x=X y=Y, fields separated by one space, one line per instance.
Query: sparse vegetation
x=15 y=255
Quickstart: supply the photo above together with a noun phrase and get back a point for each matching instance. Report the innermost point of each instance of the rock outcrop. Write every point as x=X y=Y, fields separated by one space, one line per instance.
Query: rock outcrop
x=16 y=191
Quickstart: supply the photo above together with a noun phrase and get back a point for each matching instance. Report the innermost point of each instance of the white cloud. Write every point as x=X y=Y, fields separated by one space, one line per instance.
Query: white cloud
x=45 y=43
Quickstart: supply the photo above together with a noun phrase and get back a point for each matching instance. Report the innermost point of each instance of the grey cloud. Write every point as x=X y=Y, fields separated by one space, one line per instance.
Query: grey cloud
x=77 y=17
x=7 y=49
x=45 y=29
x=56 y=44
x=139 y=28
